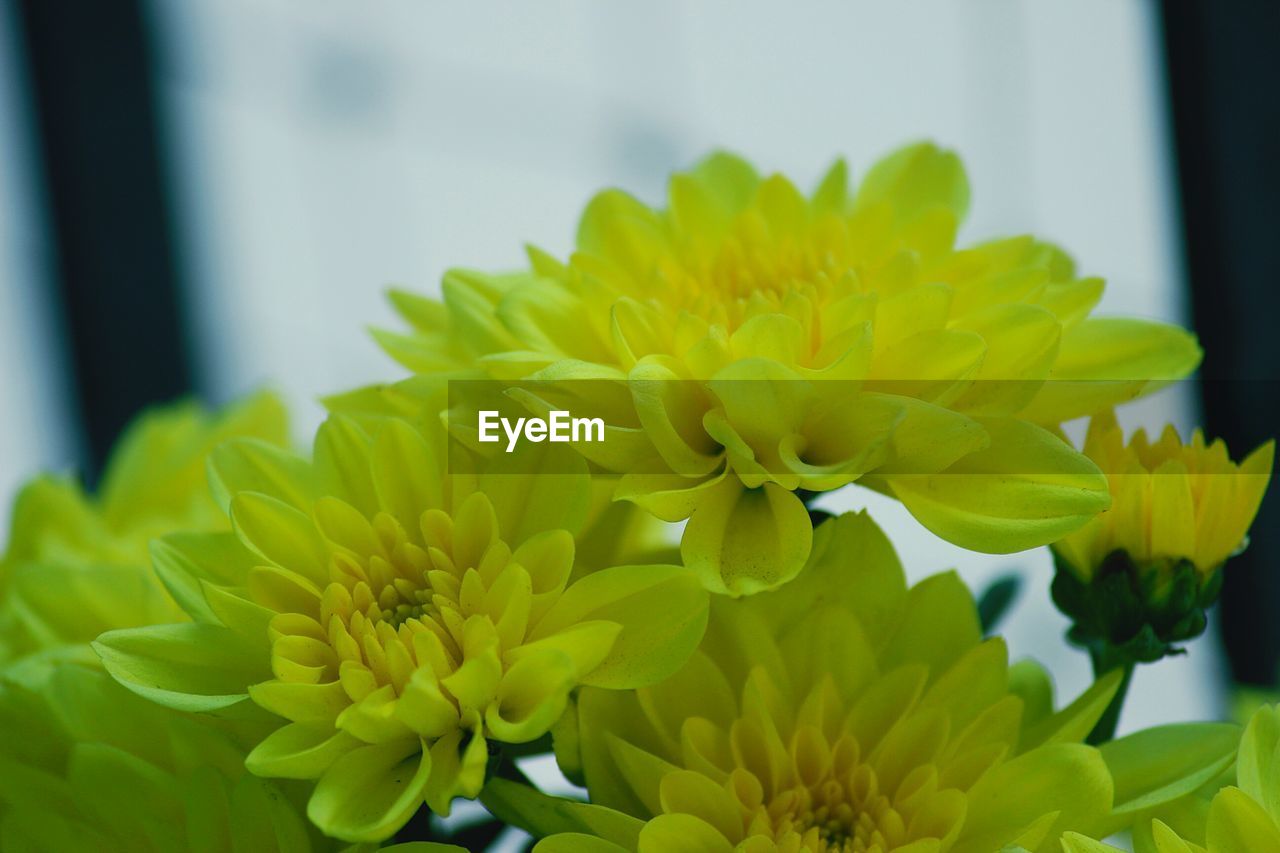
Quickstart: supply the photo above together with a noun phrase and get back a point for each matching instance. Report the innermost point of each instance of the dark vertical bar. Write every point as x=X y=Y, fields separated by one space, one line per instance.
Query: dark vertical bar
x=1223 y=72
x=89 y=70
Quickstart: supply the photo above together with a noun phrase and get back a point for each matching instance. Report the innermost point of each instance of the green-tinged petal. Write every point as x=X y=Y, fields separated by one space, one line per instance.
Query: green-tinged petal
x=681 y=833
x=315 y=704
x=190 y=667
x=298 y=751
x=1069 y=780
x=369 y=793
x=939 y=624
x=531 y=697
x=929 y=438
x=184 y=561
x=253 y=465
x=741 y=541
x=407 y=476
x=544 y=815
x=1021 y=346
x=1158 y=765
x=457 y=770
x=1258 y=767
x=669 y=497
x=729 y=179
x=540 y=487
x=852 y=564
x=1029 y=681
x=576 y=842
x=108 y=782
x=662 y=611
x=1105 y=361
x=698 y=689
x=62 y=603
x=691 y=793
x=261 y=818
x=915 y=180
x=1073 y=842
x=1027 y=489
x=342 y=451
x=599 y=713
x=1239 y=824
x=1074 y=722
x=160 y=462
x=281 y=534
x=1157 y=837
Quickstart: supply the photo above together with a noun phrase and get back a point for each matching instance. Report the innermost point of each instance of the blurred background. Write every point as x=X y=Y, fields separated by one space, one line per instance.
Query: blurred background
x=206 y=196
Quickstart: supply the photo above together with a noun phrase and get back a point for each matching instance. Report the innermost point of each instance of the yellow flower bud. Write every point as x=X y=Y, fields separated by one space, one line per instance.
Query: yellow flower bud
x=1170 y=501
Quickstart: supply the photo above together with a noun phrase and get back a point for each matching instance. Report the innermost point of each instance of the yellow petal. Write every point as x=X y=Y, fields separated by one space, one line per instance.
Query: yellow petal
x=662 y=611
x=1238 y=824
x=1029 y=488
x=372 y=791
x=681 y=833
x=1157 y=766
x=1105 y=361
x=742 y=541
x=1066 y=780
x=297 y=751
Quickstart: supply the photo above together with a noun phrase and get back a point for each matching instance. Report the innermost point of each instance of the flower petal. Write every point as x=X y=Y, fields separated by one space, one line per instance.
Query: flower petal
x=1029 y=488
x=372 y=791
x=662 y=611
x=741 y=541
x=190 y=667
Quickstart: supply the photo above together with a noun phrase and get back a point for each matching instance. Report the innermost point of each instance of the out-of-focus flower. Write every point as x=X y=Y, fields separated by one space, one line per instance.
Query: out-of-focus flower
x=1242 y=818
x=404 y=616
x=843 y=711
x=748 y=343
x=77 y=564
x=1138 y=578
x=86 y=765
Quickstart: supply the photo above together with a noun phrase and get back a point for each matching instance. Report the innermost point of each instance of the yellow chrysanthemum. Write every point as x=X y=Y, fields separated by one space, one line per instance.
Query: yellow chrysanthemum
x=86 y=765
x=1138 y=580
x=77 y=564
x=842 y=712
x=403 y=618
x=1170 y=501
x=749 y=342
x=1243 y=818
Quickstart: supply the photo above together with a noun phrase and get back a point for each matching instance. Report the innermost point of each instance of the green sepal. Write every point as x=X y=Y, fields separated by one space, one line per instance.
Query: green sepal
x=1134 y=613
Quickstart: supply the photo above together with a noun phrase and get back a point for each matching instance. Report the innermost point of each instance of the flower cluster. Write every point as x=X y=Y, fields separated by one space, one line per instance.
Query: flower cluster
x=236 y=644
x=770 y=343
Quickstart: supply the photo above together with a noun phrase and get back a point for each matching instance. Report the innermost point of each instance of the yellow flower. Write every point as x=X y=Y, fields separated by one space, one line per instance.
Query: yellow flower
x=1170 y=501
x=1138 y=579
x=77 y=564
x=843 y=711
x=1243 y=818
x=86 y=765
x=748 y=342
x=403 y=614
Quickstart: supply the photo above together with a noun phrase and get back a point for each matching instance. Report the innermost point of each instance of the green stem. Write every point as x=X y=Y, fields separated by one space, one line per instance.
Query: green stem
x=1105 y=730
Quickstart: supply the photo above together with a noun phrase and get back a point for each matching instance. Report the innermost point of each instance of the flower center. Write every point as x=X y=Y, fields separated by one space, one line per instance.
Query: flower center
x=843 y=809
x=803 y=781
x=750 y=269
x=387 y=595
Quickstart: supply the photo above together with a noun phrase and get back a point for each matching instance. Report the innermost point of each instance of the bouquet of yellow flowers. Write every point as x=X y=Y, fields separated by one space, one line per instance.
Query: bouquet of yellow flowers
x=584 y=527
